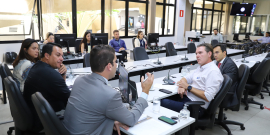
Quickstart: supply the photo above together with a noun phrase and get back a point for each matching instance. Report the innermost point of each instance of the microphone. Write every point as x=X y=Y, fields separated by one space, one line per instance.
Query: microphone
x=185 y=57
x=167 y=79
x=244 y=60
x=157 y=62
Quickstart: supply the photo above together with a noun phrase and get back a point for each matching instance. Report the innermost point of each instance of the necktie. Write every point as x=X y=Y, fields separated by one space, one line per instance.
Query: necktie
x=219 y=65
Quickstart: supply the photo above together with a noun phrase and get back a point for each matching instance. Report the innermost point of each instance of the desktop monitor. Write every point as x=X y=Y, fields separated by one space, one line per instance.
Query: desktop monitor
x=98 y=39
x=66 y=40
x=152 y=38
x=236 y=37
x=243 y=9
x=123 y=83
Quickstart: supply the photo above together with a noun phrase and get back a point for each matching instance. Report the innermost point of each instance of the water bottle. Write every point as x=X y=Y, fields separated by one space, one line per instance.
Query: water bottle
x=184 y=113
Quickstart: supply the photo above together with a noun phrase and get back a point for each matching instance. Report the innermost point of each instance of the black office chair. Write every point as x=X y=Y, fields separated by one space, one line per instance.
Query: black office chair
x=170 y=50
x=139 y=53
x=255 y=83
x=52 y=124
x=77 y=45
x=133 y=42
x=191 y=48
x=22 y=116
x=4 y=71
x=208 y=119
x=214 y=42
x=243 y=72
x=86 y=60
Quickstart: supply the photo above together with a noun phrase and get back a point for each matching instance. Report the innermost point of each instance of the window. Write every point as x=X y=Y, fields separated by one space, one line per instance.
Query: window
x=258 y=25
x=207 y=15
x=88 y=16
x=57 y=18
x=136 y=18
x=17 y=20
x=240 y=24
x=165 y=17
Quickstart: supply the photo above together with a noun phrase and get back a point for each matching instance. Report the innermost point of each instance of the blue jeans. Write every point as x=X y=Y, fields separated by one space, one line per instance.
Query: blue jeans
x=175 y=103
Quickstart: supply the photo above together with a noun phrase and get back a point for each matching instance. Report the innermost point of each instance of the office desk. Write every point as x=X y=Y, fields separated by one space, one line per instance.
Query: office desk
x=154 y=126
x=252 y=60
x=163 y=50
x=74 y=59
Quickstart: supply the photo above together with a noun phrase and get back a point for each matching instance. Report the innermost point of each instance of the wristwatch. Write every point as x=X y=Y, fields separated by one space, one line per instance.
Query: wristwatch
x=189 y=88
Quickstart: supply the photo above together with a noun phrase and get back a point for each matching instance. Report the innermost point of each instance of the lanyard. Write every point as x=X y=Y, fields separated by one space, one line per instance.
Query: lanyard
x=142 y=42
x=118 y=43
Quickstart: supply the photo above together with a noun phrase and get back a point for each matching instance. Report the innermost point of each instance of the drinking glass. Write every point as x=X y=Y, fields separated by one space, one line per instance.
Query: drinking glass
x=156 y=105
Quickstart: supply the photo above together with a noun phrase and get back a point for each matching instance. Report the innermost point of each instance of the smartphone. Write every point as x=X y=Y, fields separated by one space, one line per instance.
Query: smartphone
x=167 y=120
x=146 y=77
x=165 y=91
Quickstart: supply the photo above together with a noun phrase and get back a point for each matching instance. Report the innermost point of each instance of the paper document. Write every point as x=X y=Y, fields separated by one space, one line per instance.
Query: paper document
x=167 y=87
x=143 y=117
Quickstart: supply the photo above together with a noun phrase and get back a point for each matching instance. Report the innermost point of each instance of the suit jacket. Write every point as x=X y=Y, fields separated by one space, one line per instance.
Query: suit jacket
x=93 y=107
x=229 y=68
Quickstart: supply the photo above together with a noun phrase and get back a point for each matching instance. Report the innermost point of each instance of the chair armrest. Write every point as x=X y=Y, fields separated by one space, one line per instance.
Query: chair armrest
x=60 y=117
x=192 y=103
x=230 y=93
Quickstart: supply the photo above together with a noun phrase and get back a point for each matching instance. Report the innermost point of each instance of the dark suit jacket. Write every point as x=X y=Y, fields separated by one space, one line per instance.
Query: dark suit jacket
x=229 y=68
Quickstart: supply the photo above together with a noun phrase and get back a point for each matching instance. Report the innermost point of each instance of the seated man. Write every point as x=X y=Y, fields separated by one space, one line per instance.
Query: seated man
x=94 y=106
x=265 y=39
x=45 y=79
x=228 y=67
x=217 y=36
x=119 y=46
x=201 y=85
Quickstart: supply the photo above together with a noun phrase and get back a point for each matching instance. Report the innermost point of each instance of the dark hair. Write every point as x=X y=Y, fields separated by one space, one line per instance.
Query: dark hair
x=84 y=41
x=115 y=31
x=100 y=57
x=48 y=48
x=268 y=33
x=139 y=32
x=216 y=30
x=208 y=48
x=49 y=34
x=222 y=47
x=23 y=54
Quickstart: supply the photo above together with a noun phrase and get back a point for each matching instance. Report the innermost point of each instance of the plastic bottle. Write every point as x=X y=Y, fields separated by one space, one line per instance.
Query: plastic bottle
x=184 y=113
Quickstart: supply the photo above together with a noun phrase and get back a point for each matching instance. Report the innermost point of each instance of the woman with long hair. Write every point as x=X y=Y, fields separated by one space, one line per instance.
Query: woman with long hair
x=49 y=38
x=28 y=55
x=85 y=42
x=140 y=41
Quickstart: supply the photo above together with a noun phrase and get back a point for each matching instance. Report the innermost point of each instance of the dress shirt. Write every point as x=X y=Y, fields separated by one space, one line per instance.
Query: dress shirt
x=222 y=60
x=117 y=44
x=264 y=39
x=217 y=37
x=207 y=78
x=143 y=95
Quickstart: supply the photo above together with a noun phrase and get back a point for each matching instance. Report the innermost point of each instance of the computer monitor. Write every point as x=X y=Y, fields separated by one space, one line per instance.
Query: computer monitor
x=99 y=38
x=66 y=40
x=152 y=38
x=123 y=83
x=247 y=36
x=236 y=37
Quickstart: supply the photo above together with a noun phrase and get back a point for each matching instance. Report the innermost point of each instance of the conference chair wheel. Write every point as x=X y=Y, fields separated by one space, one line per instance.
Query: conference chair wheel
x=246 y=108
x=9 y=132
x=243 y=128
x=261 y=107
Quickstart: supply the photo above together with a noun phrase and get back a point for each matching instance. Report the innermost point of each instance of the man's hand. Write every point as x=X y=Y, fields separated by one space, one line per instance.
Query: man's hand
x=62 y=69
x=182 y=84
x=182 y=92
x=117 y=126
x=121 y=49
x=148 y=83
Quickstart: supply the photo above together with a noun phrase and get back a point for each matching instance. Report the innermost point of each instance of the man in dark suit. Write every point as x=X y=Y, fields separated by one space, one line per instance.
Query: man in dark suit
x=228 y=67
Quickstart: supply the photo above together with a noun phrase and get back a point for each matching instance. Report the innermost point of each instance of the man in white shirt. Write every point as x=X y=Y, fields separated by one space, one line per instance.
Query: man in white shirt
x=217 y=36
x=201 y=85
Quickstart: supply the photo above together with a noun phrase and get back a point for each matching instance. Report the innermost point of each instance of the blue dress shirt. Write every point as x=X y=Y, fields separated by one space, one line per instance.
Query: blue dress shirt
x=264 y=39
x=117 y=44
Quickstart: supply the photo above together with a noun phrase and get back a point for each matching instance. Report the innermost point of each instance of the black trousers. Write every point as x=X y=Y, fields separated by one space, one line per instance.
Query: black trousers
x=123 y=57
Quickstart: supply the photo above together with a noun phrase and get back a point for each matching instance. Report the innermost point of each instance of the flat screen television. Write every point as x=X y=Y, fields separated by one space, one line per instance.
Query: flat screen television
x=243 y=9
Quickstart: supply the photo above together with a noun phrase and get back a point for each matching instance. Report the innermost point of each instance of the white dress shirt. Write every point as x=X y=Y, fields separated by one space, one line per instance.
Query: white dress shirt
x=217 y=37
x=207 y=78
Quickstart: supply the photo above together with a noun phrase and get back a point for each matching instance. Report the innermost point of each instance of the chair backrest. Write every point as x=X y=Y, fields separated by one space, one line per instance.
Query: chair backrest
x=5 y=71
x=170 y=50
x=268 y=55
x=243 y=73
x=261 y=71
x=77 y=45
x=214 y=42
x=21 y=113
x=51 y=123
x=191 y=48
x=139 y=53
x=133 y=42
x=10 y=57
x=213 y=106
x=86 y=60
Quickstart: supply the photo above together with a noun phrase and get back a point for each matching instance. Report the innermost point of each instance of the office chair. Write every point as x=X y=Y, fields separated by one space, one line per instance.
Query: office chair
x=4 y=71
x=22 y=116
x=77 y=45
x=133 y=42
x=139 y=53
x=86 y=60
x=52 y=124
x=265 y=83
x=243 y=72
x=170 y=50
x=255 y=83
x=191 y=48
x=214 y=42
x=208 y=119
